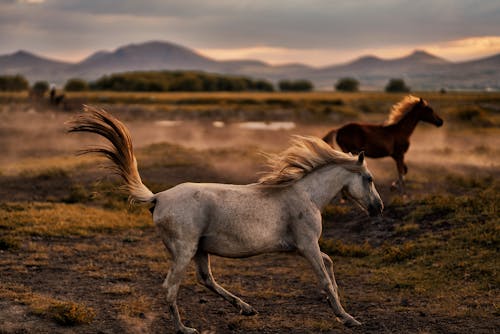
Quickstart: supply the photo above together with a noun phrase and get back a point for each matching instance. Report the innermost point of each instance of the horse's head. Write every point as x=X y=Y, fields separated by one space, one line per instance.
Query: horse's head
x=361 y=189
x=427 y=114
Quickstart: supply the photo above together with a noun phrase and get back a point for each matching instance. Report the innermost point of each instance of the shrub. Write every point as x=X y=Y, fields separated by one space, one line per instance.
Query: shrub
x=76 y=85
x=347 y=85
x=295 y=86
x=39 y=88
x=263 y=86
x=397 y=86
x=13 y=83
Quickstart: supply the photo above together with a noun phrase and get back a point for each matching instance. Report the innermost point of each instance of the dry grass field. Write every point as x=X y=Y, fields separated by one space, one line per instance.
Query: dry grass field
x=76 y=258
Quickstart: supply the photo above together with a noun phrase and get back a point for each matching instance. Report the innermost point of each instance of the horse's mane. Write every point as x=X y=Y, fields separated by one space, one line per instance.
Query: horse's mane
x=400 y=109
x=302 y=157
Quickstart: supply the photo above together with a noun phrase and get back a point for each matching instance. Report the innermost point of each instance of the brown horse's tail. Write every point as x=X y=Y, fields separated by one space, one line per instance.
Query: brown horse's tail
x=120 y=152
x=329 y=138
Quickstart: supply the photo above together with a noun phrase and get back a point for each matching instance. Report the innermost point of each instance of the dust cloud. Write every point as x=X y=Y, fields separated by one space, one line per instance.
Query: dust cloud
x=30 y=134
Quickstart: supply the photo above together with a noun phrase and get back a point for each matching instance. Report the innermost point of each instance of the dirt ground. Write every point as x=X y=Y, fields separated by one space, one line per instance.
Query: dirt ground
x=119 y=274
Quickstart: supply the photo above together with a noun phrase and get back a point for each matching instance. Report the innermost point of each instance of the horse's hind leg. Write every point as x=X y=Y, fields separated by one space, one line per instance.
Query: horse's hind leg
x=172 y=284
x=402 y=170
x=313 y=254
x=204 y=274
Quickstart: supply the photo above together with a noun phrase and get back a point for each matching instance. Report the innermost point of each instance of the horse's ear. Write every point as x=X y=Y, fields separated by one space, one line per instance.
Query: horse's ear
x=361 y=157
x=421 y=101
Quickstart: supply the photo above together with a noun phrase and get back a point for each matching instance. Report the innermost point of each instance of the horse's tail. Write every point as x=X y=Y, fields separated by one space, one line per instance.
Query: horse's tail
x=329 y=138
x=120 y=152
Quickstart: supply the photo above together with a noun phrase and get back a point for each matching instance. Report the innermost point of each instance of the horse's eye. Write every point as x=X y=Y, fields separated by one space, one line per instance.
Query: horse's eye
x=370 y=179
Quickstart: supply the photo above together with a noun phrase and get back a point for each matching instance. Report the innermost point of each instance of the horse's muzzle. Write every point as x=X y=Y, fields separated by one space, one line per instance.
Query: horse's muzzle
x=375 y=209
x=439 y=122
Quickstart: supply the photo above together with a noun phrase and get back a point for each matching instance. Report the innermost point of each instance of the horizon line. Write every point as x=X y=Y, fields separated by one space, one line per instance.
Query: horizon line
x=209 y=53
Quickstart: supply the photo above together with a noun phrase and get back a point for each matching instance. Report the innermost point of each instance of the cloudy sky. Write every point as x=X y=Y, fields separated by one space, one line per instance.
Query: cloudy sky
x=315 y=32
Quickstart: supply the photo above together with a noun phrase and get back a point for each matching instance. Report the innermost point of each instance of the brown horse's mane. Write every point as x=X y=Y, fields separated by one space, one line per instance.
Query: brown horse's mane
x=400 y=109
x=302 y=157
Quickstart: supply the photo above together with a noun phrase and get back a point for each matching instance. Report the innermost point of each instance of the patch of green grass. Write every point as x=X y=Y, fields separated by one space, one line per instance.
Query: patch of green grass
x=399 y=253
x=456 y=265
x=478 y=200
x=407 y=229
x=333 y=212
x=454 y=259
x=432 y=208
x=337 y=247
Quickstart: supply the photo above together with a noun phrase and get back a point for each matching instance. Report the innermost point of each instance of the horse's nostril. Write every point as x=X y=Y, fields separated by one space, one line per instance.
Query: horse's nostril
x=375 y=209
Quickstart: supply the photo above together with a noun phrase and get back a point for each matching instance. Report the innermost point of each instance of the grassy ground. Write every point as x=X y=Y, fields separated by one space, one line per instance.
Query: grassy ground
x=476 y=108
x=75 y=258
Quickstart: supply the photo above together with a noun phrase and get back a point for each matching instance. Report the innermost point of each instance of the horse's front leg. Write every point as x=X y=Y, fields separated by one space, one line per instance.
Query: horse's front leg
x=327 y=282
x=204 y=274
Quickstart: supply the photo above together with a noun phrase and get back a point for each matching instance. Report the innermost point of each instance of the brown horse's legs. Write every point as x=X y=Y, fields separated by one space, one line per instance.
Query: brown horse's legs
x=402 y=170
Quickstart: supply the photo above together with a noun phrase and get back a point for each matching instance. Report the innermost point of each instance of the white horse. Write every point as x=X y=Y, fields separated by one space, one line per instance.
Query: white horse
x=280 y=213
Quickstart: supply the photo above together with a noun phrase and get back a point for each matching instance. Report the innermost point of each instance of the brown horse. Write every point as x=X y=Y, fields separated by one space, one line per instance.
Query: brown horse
x=389 y=139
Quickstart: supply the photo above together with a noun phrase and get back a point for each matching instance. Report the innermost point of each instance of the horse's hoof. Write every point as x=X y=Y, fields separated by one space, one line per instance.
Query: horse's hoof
x=350 y=322
x=187 y=330
x=248 y=311
x=394 y=186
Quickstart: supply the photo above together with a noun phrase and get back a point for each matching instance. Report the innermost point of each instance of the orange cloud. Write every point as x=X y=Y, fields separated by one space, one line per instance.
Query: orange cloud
x=467 y=48
x=456 y=50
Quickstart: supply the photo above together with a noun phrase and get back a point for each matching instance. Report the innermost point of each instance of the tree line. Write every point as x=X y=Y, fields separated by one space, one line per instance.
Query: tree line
x=176 y=81
x=190 y=81
x=349 y=84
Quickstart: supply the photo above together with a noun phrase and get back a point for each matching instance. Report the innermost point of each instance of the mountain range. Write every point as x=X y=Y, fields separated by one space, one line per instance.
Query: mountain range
x=421 y=70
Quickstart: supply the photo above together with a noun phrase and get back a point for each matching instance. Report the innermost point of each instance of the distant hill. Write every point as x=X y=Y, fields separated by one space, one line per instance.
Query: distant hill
x=420 y=69
x=31 y=66
x=140 y=57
